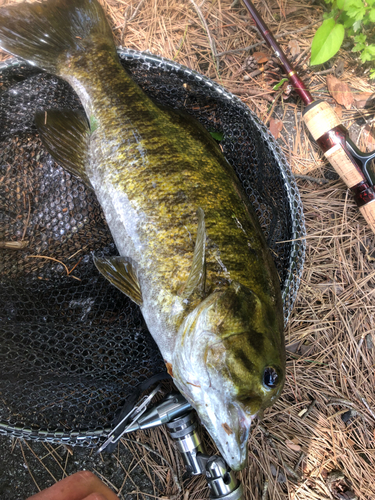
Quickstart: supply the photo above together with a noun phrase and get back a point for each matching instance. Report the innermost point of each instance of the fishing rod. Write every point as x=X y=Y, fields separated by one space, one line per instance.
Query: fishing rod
x=351 y=164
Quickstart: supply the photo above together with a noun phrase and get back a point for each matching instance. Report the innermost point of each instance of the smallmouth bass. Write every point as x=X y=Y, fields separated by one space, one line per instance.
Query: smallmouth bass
x=192 y=254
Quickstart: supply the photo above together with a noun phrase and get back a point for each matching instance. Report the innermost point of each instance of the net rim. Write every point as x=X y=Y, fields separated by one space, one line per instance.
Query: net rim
x=298 y=232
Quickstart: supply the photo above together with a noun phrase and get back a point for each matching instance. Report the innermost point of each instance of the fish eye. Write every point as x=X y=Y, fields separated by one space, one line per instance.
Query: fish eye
x=270 y=377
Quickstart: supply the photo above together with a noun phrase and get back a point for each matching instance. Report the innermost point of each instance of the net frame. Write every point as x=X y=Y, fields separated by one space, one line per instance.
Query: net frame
x=183 y=89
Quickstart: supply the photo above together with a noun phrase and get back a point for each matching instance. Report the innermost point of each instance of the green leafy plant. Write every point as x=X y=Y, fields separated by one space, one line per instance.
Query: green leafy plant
x=218 y=136
x=350 y=17
x=281 y=82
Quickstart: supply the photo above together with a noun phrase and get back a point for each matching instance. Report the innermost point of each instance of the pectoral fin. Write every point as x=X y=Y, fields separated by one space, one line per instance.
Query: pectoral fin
x=121 y=273
x=66 y=136
x=197 y=277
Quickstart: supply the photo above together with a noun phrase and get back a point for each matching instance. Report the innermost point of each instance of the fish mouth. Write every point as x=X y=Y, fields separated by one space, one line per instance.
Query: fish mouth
x=229 y=428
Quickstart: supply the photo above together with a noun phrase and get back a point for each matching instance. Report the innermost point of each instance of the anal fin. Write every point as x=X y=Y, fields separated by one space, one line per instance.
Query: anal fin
x=122 y=274
x=66 y=136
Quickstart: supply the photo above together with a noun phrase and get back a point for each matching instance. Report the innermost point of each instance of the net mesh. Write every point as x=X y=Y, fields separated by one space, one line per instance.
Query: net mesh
x=72 y=347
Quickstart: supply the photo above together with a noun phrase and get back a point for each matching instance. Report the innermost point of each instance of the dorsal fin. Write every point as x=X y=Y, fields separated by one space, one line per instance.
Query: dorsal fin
x=120 y=271
x=66 y=136
x=197 y=277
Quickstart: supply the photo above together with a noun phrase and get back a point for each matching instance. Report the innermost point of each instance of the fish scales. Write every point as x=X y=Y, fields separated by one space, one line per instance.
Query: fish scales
x=192 y=253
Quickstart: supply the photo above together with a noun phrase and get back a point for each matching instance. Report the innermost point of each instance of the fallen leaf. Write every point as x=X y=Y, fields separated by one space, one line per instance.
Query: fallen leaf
x=293 y=348
x=294 y=48
x=338 y=111
x=275 y=127
x=292 y=446
x=368 y=135
x=340 y=91
x=305 y=348
x=363 y=98
x=261 y=57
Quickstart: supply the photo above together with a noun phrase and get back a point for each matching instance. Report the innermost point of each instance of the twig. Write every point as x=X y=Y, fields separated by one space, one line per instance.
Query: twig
x=210 y=39
x=324 y=72
x=256 y=72
x=341 y=401
x=318 y=180
x=280 y=35
x=174 y=475
x=265 y=490
x=302 y=54
x=286 y=467
x=252 y=92
x=309 y=410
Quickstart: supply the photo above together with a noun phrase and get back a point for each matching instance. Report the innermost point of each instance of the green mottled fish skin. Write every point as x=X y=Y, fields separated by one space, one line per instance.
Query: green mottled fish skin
x=151 y=172
x=155 y=173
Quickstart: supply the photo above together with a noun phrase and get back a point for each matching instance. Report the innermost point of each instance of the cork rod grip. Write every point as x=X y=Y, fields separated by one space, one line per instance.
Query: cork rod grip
x=320 y=119
x=344 y=166
x=368 y=212
x=325 y=127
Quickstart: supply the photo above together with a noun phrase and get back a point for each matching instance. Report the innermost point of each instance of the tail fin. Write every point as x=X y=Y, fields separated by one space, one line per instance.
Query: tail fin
x=45 y=33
